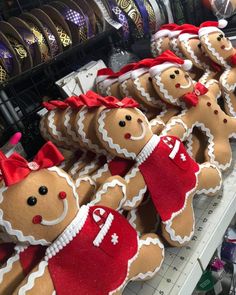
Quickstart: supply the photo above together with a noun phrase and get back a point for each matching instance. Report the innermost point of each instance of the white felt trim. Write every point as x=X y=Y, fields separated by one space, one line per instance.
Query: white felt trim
x=161 y=34
x=132 y=218
x=108 y=82
x=153 y=48
x=224 y=83
x=102 y=130
x=8 y=267
x=159 y=43
x=147 y=242
x=214 y=52
x=100 y=172
x=204 y=77
x=165 y=92
x=138 y=72
x=32 y=277
x=101 y=78
x=124 y=87
x=155 y=100
x=157 y=121
x=124 y=77
x=68 y=234
x=229 y=104
x=207 y=30
x=156 y=70
x=85 y=179
x=75 y=166
x=59 y=136
x=104 y=230
x=175 y=47
x=104 y=189
x=148 y=149
x=211 y=190
x=189 y=145
x=187 y=36
x=83 y=135
x=168 y=223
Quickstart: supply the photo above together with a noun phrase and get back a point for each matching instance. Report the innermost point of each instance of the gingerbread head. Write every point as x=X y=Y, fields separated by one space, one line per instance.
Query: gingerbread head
x=102 y=75
x=122 y=129
x=170 y=79
x=215 y=44
x=44 y=197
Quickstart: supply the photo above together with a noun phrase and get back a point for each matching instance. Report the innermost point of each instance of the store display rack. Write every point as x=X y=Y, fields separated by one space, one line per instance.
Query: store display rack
x=183 y=267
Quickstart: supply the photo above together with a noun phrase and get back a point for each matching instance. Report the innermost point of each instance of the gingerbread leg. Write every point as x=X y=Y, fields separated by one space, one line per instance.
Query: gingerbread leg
x=179 y=230
x=222 y=154
x=209 y=179
x=149 y=259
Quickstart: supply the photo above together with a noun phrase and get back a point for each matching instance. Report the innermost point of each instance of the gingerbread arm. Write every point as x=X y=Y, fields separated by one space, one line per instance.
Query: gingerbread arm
x=37 y=282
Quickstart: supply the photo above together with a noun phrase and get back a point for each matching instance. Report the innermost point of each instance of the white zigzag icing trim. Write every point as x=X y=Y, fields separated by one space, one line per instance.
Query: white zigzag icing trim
x=157 y=121
x=147 y=242
x=205 y=77
x=89 y=167
x=33 y=276
x=104 y=189
x=229 y=104
x=168 y=223
x=191 y=52
x=165 y=92
x=69 y=127
x=56 y=132
x=54 y=293
x=86 y=179
x=224 y=83
x=172 y=123
x=8 y=266
x=109 y=140
x=124 y=88
x=148 y=149
x=14 y=232
x=100 y=171
x=189 y=145
x=153 y=48
x=158 y=46
x=87 y=141
x=175 y=47
x=215 y=53
x=210 y=190
x=74 y=168
x=145 y=94
x=132 y=218
x=108 y=91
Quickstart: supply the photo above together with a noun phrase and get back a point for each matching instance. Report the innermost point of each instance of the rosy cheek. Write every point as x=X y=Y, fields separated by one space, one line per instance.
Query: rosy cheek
x=177 y=85
x=37 y=219
x=127 y=136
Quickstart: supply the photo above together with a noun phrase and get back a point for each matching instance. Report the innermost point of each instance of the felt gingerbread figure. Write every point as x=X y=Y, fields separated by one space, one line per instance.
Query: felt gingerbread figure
x=200 y=108
x=223 y=55
x=102 y=75
x=160 y=162
x=160 y=40
x=100 y=240
x=108 y=84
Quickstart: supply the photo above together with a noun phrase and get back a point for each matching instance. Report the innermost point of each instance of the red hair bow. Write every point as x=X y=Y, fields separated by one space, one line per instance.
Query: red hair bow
x=111 y=102
x=16 y=168
x=55 y=104
x=91 y=99
x=74 y=102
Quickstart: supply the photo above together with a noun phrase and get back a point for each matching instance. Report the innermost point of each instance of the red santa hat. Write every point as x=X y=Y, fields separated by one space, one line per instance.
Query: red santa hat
x=164 y=31
x=167 y=60
x=141 y=67
x=211 y=27
x=175 y=32
x=189 y=33
x=102 y=74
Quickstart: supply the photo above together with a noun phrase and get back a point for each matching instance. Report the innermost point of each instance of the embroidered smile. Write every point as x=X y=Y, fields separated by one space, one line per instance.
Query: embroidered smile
x=184 y=86
x=227 y=48
x=38 y=219
x=129 y=136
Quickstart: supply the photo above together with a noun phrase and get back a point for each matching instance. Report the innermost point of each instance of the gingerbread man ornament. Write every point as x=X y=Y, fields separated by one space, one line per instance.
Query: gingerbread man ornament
x=98 y=239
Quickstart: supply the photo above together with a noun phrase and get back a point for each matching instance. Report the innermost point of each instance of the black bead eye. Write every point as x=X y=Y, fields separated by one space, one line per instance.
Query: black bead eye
x=31 y=201
x=177 y=72
x=128 y=117
x=43 y=190
x=172 y=76
x=219 y=38
x=199 y=45
x=122 y=123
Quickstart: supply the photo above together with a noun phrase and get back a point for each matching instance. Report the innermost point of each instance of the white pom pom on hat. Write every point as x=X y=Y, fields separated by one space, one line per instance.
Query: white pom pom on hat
x=222 y=23
x=187 y=65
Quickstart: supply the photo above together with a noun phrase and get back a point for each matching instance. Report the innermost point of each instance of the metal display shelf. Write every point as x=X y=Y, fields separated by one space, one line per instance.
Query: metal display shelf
x=183 y=267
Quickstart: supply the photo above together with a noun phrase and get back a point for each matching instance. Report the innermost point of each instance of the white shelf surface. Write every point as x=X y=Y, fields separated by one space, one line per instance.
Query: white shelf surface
x=181 y=269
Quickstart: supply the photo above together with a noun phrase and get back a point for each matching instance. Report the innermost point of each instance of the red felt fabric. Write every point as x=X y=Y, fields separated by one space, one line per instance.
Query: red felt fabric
x=84 y=269
x=119 y=166
x=233 y=59
x=191 y=98
x=31 y=256
x=6 y=251
x=168 y=180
